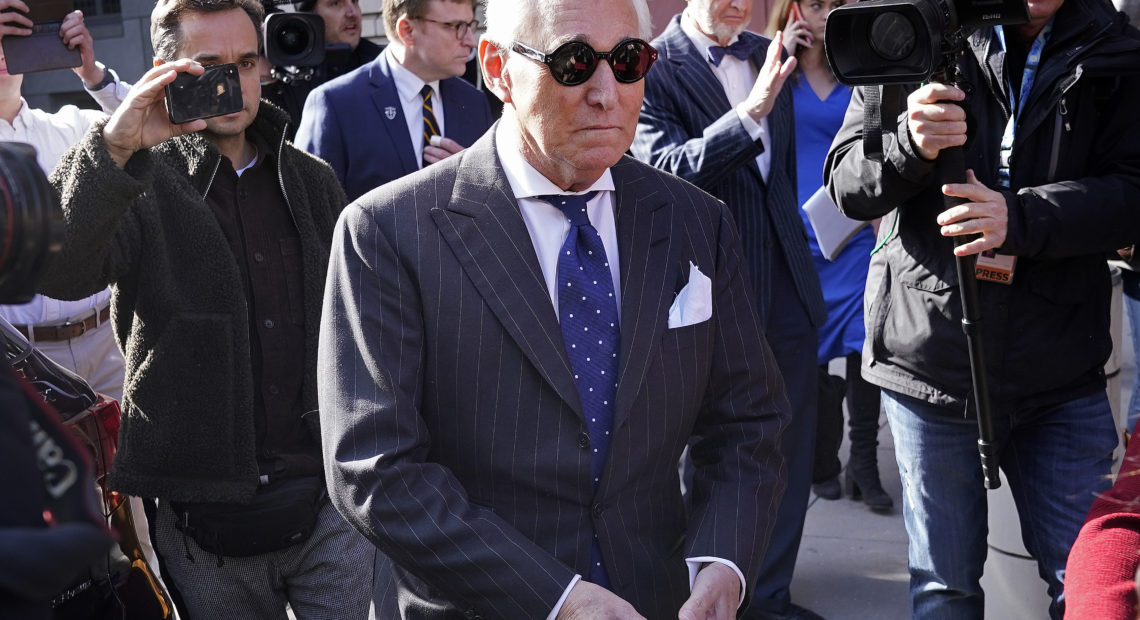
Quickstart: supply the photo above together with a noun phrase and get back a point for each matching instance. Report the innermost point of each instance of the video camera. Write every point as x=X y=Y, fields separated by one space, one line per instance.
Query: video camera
x=906 y=41
x=31 y=223
x=295 y=43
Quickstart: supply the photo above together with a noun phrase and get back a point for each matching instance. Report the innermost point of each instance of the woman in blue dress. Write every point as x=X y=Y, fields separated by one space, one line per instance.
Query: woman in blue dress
x=820 y=103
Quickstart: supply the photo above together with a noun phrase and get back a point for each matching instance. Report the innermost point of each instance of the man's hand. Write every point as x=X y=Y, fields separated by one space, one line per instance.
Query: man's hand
x=716 y=594
x=986 y=214
x=588 y=601
x=76 y=36
x=933 y=122
x=14 y=21
x=447 y=147
x=141 y=121
x=771 y=79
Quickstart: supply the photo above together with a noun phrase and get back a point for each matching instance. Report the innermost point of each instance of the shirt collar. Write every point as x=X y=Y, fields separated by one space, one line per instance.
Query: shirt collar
x=408 y=84
x=23 y=116
x=700 y=40
x=525 y=180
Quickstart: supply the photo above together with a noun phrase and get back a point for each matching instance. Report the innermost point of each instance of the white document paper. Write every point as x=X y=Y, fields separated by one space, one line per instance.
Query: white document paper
x=832 y=229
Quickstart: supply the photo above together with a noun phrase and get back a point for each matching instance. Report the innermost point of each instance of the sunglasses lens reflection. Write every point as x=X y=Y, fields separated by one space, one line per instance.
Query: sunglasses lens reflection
x=574 y=62
x=630 y=60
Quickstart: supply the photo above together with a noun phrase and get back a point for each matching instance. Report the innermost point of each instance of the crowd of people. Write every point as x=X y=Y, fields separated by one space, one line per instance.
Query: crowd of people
x=421 y=360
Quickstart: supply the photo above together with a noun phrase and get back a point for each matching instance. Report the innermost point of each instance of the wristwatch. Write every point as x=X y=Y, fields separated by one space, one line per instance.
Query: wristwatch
x=109 y=77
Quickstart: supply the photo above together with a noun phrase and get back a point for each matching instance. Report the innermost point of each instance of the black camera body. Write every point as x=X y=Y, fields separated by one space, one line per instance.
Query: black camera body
x=294 y=39
x=906 y=41
x=31 y=223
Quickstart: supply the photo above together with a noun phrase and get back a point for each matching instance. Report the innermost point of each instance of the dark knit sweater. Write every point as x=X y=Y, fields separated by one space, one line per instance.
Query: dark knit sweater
x=179 y=309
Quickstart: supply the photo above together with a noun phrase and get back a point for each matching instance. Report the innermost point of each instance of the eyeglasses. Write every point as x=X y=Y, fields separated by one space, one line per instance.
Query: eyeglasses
x=461 y=28
x=574 y=61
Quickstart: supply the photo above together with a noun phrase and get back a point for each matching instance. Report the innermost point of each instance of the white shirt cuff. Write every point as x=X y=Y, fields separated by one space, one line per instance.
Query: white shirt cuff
x=558 y=606
x=696 y=563
x=754 y=129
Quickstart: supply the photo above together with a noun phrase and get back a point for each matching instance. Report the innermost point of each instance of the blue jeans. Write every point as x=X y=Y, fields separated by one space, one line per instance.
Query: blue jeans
x=1056 y=459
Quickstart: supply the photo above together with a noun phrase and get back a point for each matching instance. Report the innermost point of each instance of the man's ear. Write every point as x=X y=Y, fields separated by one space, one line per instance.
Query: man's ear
x=405 y=31
x=494 y=70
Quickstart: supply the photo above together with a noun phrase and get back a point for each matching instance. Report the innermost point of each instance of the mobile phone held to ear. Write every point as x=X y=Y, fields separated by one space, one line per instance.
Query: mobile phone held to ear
x=794 y=13
x=214 y=93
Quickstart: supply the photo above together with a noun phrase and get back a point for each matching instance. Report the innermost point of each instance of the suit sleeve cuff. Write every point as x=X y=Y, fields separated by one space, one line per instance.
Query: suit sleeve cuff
x=558 y=606
x=754 y=129
x=695 y=565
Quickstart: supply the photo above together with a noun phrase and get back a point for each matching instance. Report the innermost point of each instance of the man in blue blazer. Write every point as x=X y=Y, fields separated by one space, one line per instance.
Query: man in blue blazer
x=405 y=109
x=716 y=113
x=519 y=342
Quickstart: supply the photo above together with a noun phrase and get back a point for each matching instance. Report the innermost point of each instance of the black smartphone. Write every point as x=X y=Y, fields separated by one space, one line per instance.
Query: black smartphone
x=214 y=93
x=42 y=50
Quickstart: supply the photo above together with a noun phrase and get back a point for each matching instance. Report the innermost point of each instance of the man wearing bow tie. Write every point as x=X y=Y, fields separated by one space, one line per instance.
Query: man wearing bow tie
x=716 y=113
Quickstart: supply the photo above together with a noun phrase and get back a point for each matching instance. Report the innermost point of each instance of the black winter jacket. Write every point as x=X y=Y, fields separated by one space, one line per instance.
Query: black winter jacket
x=1075 y=196
x=179 y=307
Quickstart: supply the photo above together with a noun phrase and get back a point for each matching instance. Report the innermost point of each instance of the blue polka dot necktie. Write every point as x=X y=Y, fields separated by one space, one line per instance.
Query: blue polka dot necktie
x=588 y=314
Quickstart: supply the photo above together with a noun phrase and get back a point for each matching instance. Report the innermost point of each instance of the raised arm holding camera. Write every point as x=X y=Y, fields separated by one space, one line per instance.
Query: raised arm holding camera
x=214 y=235
x=1046 y=115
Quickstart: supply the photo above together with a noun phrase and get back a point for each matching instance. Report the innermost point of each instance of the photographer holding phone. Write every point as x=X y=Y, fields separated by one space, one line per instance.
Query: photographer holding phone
x=1053 y=148
x=214 y=236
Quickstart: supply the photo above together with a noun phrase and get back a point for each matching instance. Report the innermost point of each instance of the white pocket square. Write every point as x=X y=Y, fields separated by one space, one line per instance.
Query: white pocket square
x=694 y=303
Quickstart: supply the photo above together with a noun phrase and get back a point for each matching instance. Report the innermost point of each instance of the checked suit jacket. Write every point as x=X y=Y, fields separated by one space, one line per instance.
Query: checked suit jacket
x=453 y=432
x=356 y=123
x=688 y=127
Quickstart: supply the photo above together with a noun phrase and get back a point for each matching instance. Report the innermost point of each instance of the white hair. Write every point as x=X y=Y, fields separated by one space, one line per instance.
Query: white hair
x=517 y=20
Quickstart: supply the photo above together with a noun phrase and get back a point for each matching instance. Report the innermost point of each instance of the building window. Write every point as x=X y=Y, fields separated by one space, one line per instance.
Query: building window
x=98 y=7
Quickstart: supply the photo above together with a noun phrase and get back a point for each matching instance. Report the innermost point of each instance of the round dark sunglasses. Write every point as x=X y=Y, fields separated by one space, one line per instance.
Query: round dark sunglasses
x=573 y=62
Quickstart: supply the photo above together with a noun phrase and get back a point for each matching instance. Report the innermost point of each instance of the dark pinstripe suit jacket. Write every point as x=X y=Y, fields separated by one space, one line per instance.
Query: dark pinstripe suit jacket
x=688 y=127
x=453 y=432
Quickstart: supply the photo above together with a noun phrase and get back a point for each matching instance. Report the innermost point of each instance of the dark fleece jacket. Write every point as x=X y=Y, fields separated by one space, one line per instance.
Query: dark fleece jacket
x=179 y=309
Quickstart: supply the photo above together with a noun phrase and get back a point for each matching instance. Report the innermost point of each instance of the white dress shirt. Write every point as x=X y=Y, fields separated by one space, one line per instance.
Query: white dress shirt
x=52 y=135
x=548 y=229
x=408 y=87
x=737 y=77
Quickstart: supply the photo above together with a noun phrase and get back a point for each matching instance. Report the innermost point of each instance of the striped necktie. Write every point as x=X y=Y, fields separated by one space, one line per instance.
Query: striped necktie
x=431 y=128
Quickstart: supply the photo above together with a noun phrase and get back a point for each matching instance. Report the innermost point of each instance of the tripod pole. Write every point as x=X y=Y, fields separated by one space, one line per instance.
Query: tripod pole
x=953 y=166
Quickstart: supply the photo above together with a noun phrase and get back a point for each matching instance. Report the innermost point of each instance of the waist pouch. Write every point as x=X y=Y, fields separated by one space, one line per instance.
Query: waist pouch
x=281 y=514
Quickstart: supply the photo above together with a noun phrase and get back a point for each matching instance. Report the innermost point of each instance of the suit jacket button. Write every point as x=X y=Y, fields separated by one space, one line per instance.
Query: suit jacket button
x=598 y=510
x=583 y=441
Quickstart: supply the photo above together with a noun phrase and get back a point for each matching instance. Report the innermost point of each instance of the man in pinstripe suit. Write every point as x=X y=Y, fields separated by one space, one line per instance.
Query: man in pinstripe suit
x=716 y=114
x=452 y=408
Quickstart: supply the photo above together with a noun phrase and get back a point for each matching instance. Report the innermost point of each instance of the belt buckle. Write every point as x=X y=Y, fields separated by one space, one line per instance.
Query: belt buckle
x=82 y=327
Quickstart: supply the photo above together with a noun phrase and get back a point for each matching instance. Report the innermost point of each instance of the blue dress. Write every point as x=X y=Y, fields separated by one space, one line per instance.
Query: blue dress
x=844 y=279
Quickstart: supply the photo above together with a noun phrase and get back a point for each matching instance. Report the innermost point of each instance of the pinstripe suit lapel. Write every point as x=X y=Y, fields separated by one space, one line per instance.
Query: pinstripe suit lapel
x=644 y=222
x=694 y=74
x=483 y=227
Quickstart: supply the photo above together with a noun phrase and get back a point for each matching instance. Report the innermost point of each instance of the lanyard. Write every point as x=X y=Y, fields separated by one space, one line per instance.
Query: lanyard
x=1017 y=103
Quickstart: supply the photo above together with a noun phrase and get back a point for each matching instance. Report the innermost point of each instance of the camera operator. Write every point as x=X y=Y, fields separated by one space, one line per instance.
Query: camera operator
x=342 y=30
x=214 y=235
x=1053 y=185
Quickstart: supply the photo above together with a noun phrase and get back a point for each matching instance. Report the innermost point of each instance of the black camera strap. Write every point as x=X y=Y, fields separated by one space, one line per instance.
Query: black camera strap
x=879 y=102
x=873 y=123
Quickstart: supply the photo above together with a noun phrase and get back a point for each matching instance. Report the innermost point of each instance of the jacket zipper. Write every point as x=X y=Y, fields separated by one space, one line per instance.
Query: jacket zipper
x=281 y=179
x=213 y=174
x=1058 y=125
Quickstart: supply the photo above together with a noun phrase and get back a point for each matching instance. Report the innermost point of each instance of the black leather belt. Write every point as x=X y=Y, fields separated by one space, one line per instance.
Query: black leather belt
x=69 y=330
